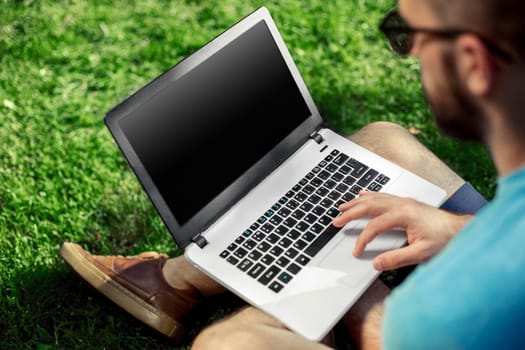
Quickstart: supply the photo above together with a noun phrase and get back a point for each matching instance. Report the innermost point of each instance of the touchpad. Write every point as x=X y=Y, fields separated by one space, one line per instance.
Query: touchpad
x=357 y=269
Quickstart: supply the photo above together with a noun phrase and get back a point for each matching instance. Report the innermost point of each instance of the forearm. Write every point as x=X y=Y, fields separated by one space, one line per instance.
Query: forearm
x=364 y=319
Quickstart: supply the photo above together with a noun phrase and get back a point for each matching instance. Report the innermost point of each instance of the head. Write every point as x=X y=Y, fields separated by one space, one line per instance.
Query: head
x=470 y=55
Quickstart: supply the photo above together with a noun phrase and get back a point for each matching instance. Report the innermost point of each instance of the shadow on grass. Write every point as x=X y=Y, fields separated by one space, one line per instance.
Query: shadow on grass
x=54 y=308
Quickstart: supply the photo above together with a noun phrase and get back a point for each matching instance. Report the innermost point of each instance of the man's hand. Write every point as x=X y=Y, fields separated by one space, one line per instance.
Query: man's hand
x=428 y=229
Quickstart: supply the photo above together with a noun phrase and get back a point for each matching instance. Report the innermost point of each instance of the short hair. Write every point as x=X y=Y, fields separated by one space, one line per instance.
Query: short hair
x=501 y=20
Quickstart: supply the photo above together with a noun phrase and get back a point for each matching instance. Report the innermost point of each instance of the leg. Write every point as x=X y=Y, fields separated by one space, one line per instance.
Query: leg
x=396 y=144
x=251 y=328
x=158 y=291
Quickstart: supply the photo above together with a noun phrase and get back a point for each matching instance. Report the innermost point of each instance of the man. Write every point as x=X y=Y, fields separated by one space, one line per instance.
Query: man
x=468 y=295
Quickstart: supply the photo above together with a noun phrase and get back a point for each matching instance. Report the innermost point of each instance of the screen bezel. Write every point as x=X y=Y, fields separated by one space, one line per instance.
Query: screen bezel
x=184 y=234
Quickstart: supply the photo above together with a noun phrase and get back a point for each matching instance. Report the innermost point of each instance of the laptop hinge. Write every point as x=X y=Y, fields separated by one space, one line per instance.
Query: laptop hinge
x=200 y=241
x=316 y=137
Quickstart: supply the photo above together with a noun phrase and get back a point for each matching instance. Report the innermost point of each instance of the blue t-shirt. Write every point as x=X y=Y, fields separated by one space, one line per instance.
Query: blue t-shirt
x=472 y=294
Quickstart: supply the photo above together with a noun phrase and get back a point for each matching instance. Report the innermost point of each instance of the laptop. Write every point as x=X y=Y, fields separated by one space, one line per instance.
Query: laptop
x=236 y=158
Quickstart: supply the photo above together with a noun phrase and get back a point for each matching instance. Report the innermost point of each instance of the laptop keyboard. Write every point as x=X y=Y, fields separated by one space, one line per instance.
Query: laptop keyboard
x=288 y=235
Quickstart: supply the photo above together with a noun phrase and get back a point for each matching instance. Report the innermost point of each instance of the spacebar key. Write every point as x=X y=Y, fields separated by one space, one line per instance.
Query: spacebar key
x=321 y=241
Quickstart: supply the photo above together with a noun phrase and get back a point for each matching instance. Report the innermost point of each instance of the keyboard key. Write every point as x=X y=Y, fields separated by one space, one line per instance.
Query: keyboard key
x=239 y=240
x=224 y=254
x=249 y=244
x=334 y=195
x=294 y=268
x=290 y=222
x=232 y=247
x=331 y=167
x=293 y=234
x=267 y=259
x=332 y=212
x=247 y=233
x=349 y=180
x=292 y=204
x=232 y=260
x=316 y=228
x=256 y=270
x=302 y=259
x=322 y=240
x=382 y=179
x=298 y=214
x=285 y=277
x=245 y=265
x=284 y=212
x=330 y=184
x=276 y=220
x=281 y=230
x=240 y=253
x=273 y=238
x=341 y=159
x=263 y=246
x=276 y=287
x=255 y=255
x=325 y=220
x=308 y=236
x=269 y=213
x=356 y=189
x=345 y=169
x=300 y=197
x=375 y=187
x=309 y=189
x=276 y=251
x=291 y=253
x=348 y=197
x=342 y=188
x=259 y=236
x=321 y=209
x=337 y=177
x=285 y=242
x=269 y=274
x=310 y=218
x=306 y=206
x=267 y=228
x=367 y=178
x=282 y=261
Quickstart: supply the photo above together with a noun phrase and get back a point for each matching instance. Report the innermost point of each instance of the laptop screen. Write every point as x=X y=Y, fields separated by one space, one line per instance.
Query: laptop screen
x=205 y=129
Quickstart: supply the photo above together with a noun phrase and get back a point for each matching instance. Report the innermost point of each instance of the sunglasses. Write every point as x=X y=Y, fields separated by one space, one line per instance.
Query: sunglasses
x=400 y=35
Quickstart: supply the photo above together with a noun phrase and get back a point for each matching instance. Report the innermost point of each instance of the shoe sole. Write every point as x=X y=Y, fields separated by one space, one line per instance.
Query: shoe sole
x=121 y=296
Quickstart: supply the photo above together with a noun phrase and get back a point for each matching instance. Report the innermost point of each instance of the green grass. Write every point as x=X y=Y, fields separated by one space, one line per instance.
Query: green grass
x=63 y=64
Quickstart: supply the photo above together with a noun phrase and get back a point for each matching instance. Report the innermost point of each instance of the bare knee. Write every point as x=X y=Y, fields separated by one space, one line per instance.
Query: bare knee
x=395 y=143
x=228 y=335
x=377 y=136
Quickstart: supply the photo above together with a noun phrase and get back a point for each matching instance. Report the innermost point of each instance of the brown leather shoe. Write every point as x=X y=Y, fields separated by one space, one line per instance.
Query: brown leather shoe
x=138 y=286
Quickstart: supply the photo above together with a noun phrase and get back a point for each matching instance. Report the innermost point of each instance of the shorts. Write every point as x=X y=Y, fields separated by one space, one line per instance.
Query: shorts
x=466 y=200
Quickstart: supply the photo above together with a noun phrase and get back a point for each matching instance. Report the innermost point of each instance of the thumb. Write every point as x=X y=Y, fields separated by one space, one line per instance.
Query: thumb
x=394 y=259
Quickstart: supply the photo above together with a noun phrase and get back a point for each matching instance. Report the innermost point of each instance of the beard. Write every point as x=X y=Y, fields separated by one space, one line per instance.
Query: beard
x=455 y=113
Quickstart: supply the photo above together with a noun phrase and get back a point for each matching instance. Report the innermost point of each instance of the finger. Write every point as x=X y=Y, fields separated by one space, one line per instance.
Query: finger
x=375 y=227
x=409 y=255
x=363 y=195
x=357 y=211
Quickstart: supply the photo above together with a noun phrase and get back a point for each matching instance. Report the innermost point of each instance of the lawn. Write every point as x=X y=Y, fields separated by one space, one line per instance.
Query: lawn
x=62 y=178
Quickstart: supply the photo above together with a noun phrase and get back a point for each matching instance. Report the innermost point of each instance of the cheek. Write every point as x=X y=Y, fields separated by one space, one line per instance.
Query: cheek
x=433 y=75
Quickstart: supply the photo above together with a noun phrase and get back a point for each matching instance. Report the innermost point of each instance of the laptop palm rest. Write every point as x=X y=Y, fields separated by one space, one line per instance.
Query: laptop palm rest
x=354 y=270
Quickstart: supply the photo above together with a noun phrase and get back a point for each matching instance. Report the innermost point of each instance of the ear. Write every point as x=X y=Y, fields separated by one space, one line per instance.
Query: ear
x=475 y=64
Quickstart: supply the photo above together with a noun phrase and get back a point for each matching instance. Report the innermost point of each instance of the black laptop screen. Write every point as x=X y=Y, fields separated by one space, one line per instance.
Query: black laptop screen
x=208 y=127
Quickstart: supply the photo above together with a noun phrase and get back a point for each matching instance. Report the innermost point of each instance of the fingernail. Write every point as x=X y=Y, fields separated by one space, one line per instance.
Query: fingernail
x=378 y=265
